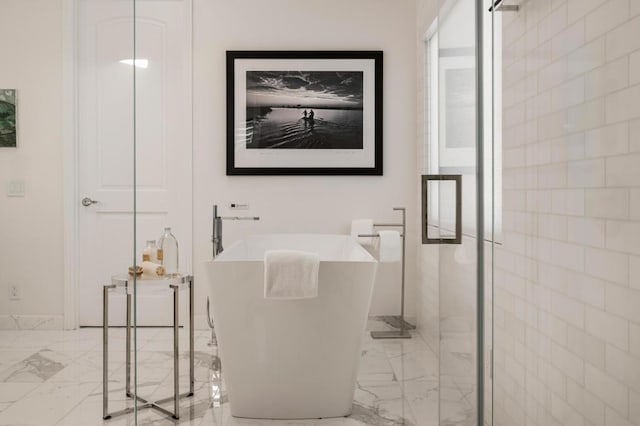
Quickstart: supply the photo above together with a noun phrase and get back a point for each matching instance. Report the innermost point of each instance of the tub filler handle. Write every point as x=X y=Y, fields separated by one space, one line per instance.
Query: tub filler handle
x=216 y=239
x=216 y=236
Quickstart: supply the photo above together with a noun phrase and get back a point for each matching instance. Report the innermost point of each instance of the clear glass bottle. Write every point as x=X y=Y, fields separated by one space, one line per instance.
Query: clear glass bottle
x=150 y=252
x=168 y=252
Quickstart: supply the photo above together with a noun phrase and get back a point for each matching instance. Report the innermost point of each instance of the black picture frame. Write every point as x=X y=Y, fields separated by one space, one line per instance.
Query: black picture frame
x=283 y=161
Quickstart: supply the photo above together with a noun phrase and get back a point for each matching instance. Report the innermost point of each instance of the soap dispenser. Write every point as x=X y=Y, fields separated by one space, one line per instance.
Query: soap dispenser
x=168 y=252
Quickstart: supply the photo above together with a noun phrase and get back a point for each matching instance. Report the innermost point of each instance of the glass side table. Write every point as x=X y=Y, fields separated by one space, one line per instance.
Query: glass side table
x=124 y=284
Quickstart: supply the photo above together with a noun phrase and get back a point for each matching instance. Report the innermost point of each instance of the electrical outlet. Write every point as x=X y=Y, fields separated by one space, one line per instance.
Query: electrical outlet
x=16 y=188
x=14 y=292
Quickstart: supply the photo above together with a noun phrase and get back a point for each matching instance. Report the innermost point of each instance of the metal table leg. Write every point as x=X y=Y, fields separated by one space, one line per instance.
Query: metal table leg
x=176 y=354
x=105 y=351
x=128 y=346
x=191 y=340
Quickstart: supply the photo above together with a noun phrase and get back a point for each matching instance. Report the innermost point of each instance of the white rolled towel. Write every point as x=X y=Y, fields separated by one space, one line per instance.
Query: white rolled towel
x=362 y=226
x=152 y=270
x=390 y=246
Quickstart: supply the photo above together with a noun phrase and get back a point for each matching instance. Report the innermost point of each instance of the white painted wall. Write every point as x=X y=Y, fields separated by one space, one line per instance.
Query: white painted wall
x=31 y=227
x=312 y=203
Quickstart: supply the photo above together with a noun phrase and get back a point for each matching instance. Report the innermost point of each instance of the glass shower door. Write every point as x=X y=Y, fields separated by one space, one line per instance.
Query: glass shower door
x=457 y=209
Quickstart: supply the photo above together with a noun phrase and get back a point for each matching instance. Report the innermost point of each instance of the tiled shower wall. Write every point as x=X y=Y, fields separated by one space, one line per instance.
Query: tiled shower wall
x=567 y=291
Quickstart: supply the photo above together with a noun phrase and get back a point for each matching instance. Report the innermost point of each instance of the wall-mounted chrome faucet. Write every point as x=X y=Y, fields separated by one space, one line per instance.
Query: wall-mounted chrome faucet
x=216 y=237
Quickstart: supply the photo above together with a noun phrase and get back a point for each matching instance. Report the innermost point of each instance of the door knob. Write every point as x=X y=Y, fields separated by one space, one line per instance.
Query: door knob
x=86 y=201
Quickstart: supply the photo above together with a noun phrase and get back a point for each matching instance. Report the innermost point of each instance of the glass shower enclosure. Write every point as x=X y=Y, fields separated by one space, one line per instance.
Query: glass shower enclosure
x=533 y=260
x=133 y=105
x=460 y=220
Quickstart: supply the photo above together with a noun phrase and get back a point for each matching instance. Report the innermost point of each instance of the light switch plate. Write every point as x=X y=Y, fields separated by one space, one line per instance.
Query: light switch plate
x=16 y=188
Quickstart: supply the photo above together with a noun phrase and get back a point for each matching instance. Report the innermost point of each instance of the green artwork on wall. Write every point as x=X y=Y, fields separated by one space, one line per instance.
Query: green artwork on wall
x=8 y=134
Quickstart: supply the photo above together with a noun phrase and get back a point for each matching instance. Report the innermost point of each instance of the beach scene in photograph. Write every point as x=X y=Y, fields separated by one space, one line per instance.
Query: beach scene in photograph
x=7 y=118
x=304 y=109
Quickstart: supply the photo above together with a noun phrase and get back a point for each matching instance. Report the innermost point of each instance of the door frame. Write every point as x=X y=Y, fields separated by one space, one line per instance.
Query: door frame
x=70 y=162
x=70 y=150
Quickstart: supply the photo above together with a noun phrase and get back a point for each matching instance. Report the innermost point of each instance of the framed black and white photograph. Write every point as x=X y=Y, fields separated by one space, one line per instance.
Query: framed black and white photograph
x=304 y=113
x=8 y=118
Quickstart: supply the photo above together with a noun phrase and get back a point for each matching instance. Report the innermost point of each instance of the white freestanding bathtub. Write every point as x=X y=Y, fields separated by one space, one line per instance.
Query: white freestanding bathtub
x=291 y=359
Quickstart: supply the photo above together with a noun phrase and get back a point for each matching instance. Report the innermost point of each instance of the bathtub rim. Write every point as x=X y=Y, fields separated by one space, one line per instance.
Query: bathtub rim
x=368 y=257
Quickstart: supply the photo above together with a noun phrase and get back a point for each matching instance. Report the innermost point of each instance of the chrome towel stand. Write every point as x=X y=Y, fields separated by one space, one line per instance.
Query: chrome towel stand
x=402 y=333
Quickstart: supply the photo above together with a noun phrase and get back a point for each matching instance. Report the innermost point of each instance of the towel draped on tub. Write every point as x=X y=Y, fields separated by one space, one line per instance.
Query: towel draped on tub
x=290 y=274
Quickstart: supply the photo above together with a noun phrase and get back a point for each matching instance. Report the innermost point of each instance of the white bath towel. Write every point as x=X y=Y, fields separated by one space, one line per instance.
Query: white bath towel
x=390 y=246
x=362 y=226
x=290 y=274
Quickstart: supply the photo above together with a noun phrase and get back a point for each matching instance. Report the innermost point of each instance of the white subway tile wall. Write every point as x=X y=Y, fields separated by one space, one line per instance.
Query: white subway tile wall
x=567 y=279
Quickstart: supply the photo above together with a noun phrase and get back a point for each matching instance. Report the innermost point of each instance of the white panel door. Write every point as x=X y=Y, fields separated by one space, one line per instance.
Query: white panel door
x=106 y=146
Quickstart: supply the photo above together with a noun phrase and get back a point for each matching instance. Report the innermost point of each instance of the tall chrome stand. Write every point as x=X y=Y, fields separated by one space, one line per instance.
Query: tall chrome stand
x=402 y=333
x=174 y=285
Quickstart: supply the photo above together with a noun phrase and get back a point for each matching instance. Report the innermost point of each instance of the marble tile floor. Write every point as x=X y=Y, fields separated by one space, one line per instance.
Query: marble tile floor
x=55 y=378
